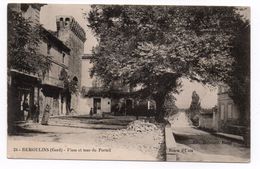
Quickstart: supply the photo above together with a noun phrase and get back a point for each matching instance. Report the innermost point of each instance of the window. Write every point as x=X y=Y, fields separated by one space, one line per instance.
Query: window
x=229 y=111
x=48 y=48
x=97 y=104
x=67 y=20
x=235 y=113
x=222 y=112
x=63 y=57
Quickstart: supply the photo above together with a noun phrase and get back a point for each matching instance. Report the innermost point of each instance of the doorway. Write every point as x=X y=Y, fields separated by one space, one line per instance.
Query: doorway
x=24 y=94
x=97 y=105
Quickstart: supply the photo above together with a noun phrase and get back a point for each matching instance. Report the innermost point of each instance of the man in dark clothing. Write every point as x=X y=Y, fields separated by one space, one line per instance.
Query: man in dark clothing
x=26 y=110
x=46 y=115
x=36 y=113
x=91 y=112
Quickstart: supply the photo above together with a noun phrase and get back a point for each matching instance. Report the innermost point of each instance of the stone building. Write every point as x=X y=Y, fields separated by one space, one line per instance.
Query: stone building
x=94 y=94
x=23 y=85
x=63 y=49
x=73 y=35
x=228 y=118
x=116 y=99
x=88 y=83
x=52 y=87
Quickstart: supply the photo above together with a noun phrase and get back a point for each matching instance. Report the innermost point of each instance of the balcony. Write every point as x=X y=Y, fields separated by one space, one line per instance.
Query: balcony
x=52 y=81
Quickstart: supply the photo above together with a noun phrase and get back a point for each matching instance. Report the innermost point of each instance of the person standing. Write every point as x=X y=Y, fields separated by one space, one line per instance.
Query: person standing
x=91 y=112
x=26 y=110
x=46 y=115
x=36 y=113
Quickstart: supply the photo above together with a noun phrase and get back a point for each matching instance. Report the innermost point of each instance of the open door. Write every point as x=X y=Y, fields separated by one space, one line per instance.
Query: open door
x=97 y=105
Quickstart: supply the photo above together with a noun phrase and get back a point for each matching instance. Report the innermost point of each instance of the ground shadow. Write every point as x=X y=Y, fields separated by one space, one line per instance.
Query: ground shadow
x=91 y=127
x=96 y=120
x=17 y=130
x=121 y=123
x=212 y=144
x=198 y=139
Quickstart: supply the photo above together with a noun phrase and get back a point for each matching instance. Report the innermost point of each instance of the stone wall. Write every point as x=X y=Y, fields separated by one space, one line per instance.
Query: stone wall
x=206 y=121
x=73 y=36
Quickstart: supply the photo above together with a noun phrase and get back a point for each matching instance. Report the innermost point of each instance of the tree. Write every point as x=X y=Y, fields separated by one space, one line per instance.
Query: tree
x=154 y=46
x=70 y=87
x=239 y=80
x=195 y=102
x=195 y=108
x=170 y=106
x=23 y=42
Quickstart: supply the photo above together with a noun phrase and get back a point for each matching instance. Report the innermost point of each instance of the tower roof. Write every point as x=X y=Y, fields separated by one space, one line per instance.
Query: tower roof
x=69 y=22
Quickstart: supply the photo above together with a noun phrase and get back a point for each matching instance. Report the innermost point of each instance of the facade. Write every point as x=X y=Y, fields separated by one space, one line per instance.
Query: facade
x=52 y=87
x=228 y=115
x=21 y=85
x=72 y=35
x=47 y=88
x=93 y=92
x=116 y=100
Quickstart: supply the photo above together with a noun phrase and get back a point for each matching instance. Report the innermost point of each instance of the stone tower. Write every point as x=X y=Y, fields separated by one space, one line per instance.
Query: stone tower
x=73 y=35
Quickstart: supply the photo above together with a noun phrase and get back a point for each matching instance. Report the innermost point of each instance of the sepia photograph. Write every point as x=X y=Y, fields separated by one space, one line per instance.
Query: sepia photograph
x=128 y=82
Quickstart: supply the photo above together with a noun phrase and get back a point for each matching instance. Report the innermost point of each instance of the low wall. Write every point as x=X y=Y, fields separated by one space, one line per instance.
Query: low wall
x=170 y=144
x=206 y=121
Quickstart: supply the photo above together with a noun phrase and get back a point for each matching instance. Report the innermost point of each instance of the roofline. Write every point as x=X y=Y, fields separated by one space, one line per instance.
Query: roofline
x=54 y=39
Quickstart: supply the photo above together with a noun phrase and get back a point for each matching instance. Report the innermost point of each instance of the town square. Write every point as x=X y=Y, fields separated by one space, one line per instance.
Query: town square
x=128 y=82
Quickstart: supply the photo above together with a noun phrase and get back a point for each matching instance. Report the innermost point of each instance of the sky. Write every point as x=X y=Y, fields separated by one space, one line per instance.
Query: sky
x=48 y=19
x=208 y=95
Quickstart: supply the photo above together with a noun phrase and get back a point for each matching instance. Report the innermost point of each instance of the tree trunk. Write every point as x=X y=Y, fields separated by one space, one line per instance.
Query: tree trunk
x=160 y=112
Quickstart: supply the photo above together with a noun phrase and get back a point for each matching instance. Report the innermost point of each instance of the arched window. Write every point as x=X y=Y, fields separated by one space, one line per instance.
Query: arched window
x=67 y=20
x=75 y=79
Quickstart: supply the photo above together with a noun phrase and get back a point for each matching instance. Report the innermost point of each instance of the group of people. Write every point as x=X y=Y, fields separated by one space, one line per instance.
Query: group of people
x=35 y=113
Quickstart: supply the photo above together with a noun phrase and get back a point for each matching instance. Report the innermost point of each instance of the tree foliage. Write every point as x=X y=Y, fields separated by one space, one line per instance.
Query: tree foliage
x=23 y=42
x=195 y=102
x=239 y=79
x=70 y=87
x=154 y=46
x=170 y=106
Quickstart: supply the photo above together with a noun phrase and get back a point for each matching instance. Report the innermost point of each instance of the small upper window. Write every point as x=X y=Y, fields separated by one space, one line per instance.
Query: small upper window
x=63 y=57
x=48 y=49
x=67 y=20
